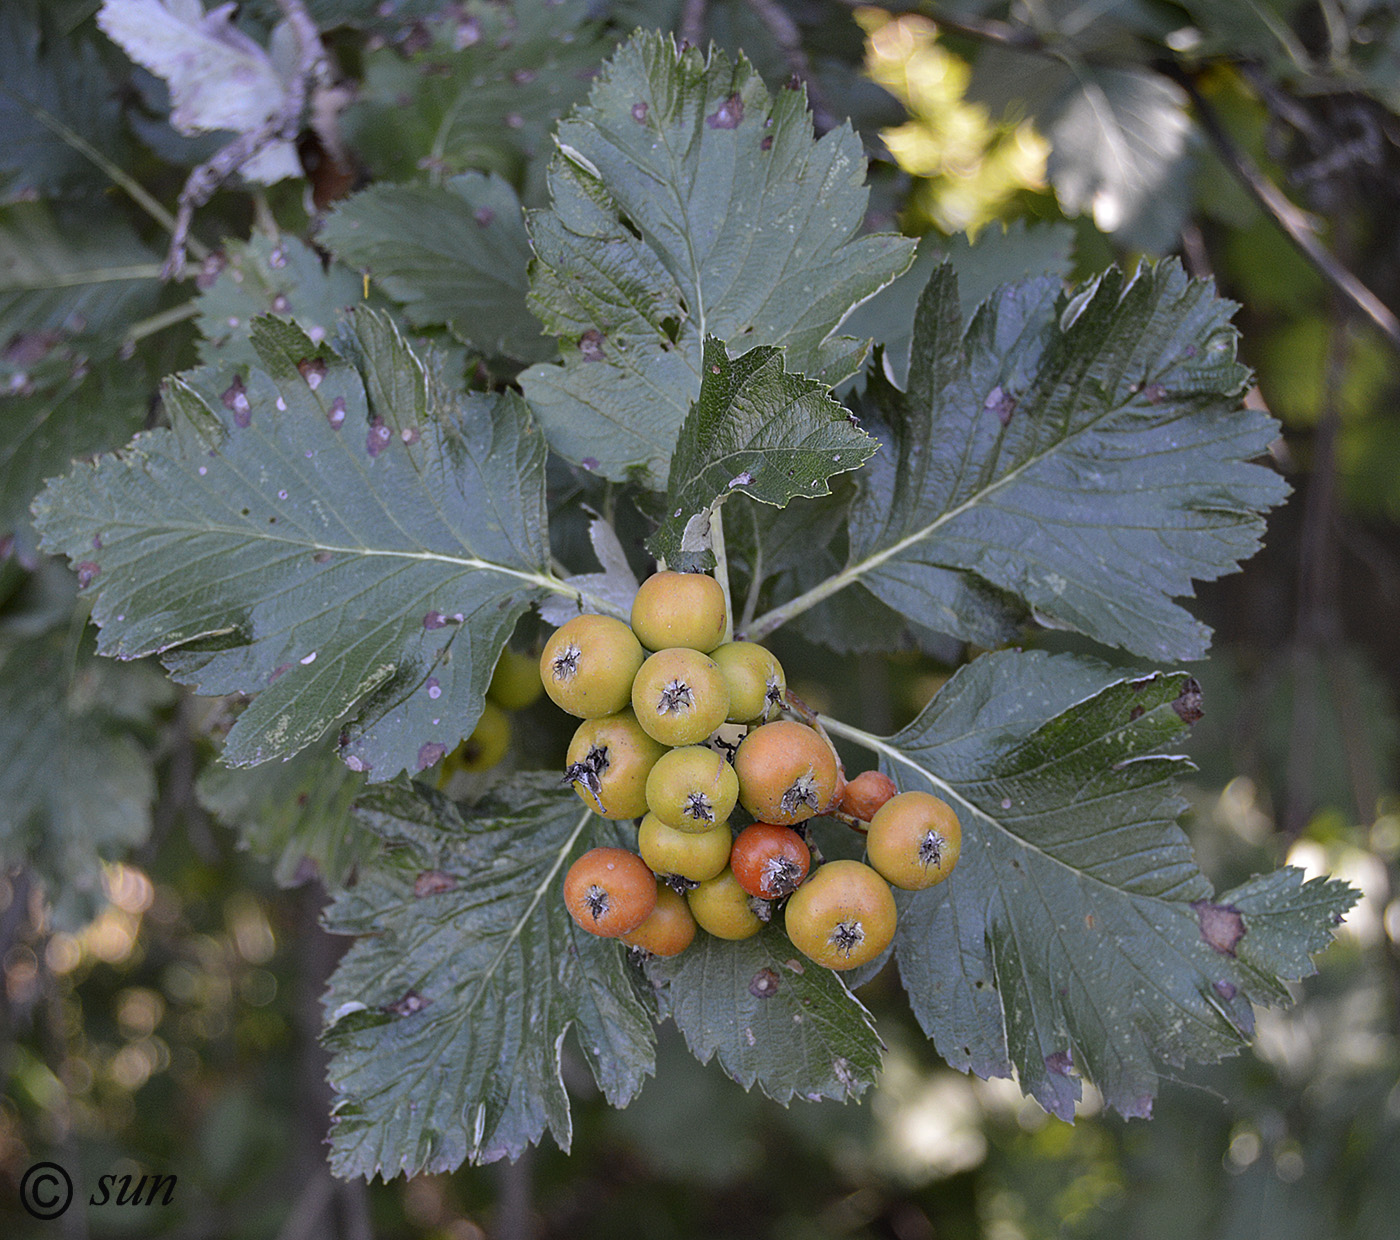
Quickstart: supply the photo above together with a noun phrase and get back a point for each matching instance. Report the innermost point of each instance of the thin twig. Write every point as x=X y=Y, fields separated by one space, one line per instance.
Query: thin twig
x=789 y=39
x=1294 y=222
x=693 y=22
x=283 y=125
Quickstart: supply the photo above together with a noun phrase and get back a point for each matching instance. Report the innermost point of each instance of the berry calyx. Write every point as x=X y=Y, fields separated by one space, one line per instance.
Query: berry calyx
x=588 y=665
x=609 y=891
x=787 y=773
x=914 y=840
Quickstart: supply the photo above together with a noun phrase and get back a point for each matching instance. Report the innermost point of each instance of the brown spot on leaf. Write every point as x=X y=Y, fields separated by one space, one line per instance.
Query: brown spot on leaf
x=1188 y=701
x=322 y=557
x=590 y=344
x=313 y=370
x=335 y=415
x=764 y=984
x=433 y=882
x=483 y=216
x=434 y=620
x=430 y=752
x=1136 y=713
x=235 y=400
x=277 y=671
x=1154 y=393
x=1000 y=402
x=410 y=1003
x=378 y=438
x=639 y=113
x=1222 y=925
x=728 y=114
x=1059 y=1062
x=766 y=144
x=87 y=573
x=1226 y=989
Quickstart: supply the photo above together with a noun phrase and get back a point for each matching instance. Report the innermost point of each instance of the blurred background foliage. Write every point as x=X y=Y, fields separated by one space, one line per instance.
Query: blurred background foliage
x=161 y=954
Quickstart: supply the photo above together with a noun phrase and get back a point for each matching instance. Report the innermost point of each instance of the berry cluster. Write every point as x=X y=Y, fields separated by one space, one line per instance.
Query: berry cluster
x=680 y=726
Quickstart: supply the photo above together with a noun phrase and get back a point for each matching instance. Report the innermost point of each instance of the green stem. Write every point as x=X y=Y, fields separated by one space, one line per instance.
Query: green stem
x=879 y=745
x=119 y=176
x=159 y=322
x=722 y=566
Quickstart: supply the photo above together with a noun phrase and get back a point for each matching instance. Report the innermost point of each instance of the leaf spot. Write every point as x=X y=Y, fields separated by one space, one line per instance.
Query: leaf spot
x=433 y=882
x=322 y=557
x=434 y=620
x=430 y=752
x=1226 y=989
x=235 y=399
x=313 y=370
x=310 y=659
x=277 y=671
x=335 y=415
x=767 y=143
x=1188 y=701
x=590 y=344
x=378 y=438
x=87 y=573
x=434 y=688
x=411 y=1002
x=764 y=984
x=728 y=114
x=639 y=113
x=1059 y=1062
x=1222 y=925
x=483 y=216
x=1136 y=713
x=744 y=479
x=410 y=434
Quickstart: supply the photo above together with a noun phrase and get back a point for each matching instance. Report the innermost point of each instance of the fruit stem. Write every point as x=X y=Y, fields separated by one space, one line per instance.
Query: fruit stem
x=722 y=567
x=897 y=757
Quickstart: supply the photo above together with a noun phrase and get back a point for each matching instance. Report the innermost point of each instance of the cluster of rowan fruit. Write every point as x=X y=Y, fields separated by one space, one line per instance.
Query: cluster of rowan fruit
x=679 y=726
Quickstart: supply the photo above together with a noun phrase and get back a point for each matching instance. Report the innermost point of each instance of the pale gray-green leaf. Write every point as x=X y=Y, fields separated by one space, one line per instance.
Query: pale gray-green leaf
x=447 y=1016
x=333 y=533
x=756 y=430
x=453 y=254
x=1077 y=937
x=773 y=1018
x=689 y=202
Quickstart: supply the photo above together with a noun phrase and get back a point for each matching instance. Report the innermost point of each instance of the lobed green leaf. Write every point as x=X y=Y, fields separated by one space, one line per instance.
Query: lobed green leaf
x=688 y=202
x=333 y=534
x=1077 y=939
x=448 y=1015
x=756 y=430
